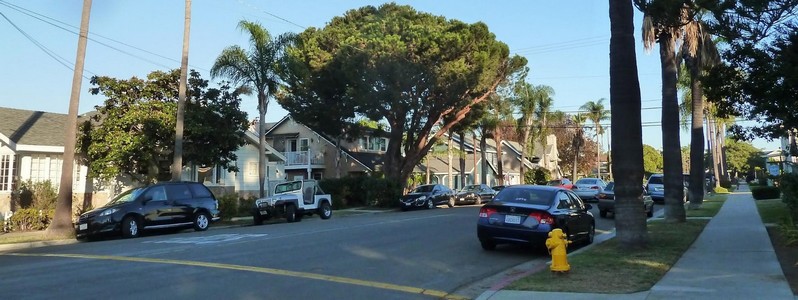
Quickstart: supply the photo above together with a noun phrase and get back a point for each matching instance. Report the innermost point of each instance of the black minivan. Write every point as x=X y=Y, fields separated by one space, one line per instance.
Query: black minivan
x=161 y=205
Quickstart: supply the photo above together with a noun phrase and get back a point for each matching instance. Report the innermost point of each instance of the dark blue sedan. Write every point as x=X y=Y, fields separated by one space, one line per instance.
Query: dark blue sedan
x=524 y=214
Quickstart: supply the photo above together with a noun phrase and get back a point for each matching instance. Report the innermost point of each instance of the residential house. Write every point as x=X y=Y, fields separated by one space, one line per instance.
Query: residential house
x=545 y=156
x=32 y=147
x=310 y=154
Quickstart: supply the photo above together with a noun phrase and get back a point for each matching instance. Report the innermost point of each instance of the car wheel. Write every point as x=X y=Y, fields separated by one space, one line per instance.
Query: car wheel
x=488 y=245
x=130 y=227
x=257 y=219
x=603 y=213
x=650 y=212
x=290 y=213
x=451 y=202
x=201 y=222
x=430 y=204
x=591 y=234
x=325 y=211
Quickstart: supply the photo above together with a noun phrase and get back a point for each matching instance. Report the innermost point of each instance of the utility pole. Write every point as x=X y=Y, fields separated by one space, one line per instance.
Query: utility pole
x=177 y=162
x=62 y=220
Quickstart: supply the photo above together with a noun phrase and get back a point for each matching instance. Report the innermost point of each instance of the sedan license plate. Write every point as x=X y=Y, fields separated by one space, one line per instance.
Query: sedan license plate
x=83 y=226
x=510 y=219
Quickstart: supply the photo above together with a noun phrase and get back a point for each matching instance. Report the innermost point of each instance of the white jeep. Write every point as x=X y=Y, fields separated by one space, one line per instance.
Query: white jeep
x=293 y=200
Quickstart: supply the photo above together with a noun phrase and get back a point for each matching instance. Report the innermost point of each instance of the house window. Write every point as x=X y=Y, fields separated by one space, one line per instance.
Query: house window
x=317 y=176
x=46 y=167
x=304 y=144
x=369 y=143
x=5 y=172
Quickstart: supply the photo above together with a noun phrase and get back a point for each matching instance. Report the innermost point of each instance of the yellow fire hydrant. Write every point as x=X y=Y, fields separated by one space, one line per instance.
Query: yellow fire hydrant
x=556 y=243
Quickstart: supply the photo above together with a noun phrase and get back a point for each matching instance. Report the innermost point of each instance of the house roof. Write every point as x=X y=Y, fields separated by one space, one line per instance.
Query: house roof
x=28 y=127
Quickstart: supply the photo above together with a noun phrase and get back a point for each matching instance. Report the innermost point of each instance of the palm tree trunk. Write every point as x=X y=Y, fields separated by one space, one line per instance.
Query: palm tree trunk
x=62 y=220
x=598 y=152
x=462 y=181
x=262 y=105
x=428 y=163
x=474 y=147
x=483 y=162
x=576 y=143
x=451 y=180
x=525 y=148
x=628 y=141
x=671 y=150
x=711 y=121
x=718 y=153
x=609 y=157
x=177 y=162
x=696 y=187
x=499 y=151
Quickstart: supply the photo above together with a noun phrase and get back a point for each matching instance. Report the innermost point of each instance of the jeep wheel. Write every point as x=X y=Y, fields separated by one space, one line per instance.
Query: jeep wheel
x=451 y=202
x=130 y=227
x=201 y=222
x=257 y=219
x=325 y=211
x=290 y=213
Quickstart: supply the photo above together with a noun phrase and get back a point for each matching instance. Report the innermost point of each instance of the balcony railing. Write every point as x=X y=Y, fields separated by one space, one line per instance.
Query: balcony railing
x=300 y=158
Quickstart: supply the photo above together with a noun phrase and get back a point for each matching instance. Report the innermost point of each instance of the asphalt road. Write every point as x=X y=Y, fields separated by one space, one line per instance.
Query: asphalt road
x=422 y=254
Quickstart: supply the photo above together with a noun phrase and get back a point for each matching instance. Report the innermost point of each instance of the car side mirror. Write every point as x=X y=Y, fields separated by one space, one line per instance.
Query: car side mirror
x=588 y=206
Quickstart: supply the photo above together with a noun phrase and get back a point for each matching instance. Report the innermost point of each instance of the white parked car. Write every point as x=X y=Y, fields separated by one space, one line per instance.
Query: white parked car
x=589 y=188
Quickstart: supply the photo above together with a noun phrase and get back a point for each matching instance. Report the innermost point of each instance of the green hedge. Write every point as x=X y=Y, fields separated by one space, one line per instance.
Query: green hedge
x=232 y=205
x=765 y=192
x=30 y=219
x=789 y=190
x=356 y=191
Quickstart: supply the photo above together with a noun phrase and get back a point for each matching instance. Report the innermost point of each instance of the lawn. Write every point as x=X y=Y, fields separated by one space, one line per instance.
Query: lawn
x=772 y=210
x=29 y=236
x=605 y=268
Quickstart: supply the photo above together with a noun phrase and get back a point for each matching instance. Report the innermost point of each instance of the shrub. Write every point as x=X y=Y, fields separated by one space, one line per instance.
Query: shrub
x=721 y=190
x=228 y=205
x=382 y=192
x=725 y=183
x=30 y=219
x=354 y=191
x=245 y=205
x=537 y=176
x=789 y=190
x=765 y=192
x=763 y=181
x=40 y=195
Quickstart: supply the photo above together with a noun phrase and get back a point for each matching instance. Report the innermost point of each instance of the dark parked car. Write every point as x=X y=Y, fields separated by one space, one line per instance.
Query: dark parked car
x=474 y=194
x=525 y=214
x=606 y=202
x=498 y=187
x=161 y=205
x=427 y=196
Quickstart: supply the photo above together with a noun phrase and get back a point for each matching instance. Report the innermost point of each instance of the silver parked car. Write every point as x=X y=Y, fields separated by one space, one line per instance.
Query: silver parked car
x=589 y=188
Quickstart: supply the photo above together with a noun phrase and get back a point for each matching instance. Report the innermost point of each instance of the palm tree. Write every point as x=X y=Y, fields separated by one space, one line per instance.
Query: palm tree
x=257 y=69
x=62 y=220
x=177 y=163
x=498 y=112
x=664 y=26
x=627 y=139
x=597 y=113
x=527 y=99
x=578 y=121
x=699 y=53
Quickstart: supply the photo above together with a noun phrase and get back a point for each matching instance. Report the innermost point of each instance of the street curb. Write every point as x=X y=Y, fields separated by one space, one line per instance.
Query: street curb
x=30 y=245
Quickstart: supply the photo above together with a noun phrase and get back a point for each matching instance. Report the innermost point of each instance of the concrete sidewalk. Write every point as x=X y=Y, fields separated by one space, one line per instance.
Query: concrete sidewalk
x=733 y=258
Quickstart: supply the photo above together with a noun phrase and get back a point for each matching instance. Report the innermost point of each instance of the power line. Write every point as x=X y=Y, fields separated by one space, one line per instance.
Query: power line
x=271 y=14
x=562 y=44
x=64 y=62
x=42 y=18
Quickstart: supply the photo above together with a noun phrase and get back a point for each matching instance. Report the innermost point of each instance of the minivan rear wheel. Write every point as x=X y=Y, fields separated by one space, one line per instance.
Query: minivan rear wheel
x=130 y=227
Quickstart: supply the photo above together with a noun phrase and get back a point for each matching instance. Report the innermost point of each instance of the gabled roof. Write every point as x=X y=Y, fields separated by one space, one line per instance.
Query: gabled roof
x=36 y=128
x=252 y=138
x=367 y=160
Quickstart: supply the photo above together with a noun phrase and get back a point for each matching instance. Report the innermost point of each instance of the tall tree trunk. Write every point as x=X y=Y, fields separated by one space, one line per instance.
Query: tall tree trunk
x=62 y=220
x=627 y=142
x=714 y=152
x=696 y=187
x=262 y=106
x=723 y=162
x=499 y=154
x=177 y=162
x=462 y=156
x=671 y=150
x=609 y=157
x=483 y=162
x=525 y=148
x=451 y=180
x=428 y=163
x=474 y=146
x=598 y=152
x=576 y=143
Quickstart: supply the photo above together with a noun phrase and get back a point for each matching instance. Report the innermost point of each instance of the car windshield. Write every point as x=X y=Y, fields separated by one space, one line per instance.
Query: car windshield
x=470 y=188
x=423 y=189
x=586 y=181
x=610 y=186
x=655 y=180
x=127 y=196
x=525 y=195
x=288 y=187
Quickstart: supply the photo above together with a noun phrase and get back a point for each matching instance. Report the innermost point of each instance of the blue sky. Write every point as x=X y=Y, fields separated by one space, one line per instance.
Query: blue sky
x=565 y=41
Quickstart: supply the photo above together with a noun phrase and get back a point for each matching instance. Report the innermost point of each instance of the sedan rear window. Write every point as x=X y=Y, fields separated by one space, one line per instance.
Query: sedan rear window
x=586 y=181
x=525 y=195
x=655 y=180
x=610 y=186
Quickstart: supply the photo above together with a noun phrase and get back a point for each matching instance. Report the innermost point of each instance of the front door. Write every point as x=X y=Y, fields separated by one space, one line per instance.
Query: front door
x=155 y=207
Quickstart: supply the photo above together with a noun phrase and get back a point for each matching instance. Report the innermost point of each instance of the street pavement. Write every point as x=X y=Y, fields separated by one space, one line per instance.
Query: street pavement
x=732 y=258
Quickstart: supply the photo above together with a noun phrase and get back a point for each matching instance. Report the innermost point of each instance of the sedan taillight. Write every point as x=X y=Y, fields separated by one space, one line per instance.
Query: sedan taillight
x=595 y=187
x=485 y=212
x=542 y=217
